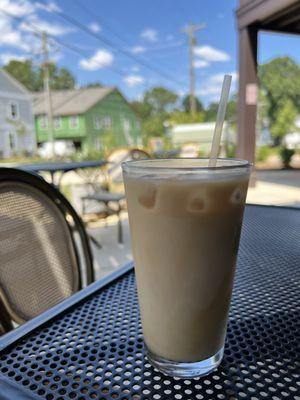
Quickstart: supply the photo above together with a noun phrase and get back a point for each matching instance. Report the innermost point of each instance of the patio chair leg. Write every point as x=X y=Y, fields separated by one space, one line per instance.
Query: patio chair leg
x=83 y=206
x=120 y=228
x=95 y=241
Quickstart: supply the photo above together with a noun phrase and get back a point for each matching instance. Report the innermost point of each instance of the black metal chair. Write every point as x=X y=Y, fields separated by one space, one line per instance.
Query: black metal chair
x=45 y=254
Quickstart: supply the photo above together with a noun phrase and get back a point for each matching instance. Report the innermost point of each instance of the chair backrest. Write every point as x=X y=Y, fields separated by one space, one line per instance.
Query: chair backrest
x=117 y=157
x=40 y=264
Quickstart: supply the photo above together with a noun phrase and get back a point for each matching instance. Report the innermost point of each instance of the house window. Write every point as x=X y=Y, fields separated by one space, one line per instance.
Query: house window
x=107 y=123
x=126 y=125
x=97 y=122
x=43 y=122
x=57 y=123
x=13 y=110
x=74 y=121
x=12 y=143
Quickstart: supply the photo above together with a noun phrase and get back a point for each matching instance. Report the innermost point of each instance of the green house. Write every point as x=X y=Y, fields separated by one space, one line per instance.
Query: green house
x=86 y=117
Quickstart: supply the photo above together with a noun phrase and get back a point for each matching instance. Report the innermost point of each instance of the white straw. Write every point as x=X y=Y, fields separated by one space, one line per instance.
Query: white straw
x=220 y=120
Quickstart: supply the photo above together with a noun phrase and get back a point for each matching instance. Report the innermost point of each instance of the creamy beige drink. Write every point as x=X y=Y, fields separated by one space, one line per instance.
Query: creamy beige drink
x=185 y=225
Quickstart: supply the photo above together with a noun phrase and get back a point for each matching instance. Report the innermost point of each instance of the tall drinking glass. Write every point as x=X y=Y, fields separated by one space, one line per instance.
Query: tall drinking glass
x=185 y=221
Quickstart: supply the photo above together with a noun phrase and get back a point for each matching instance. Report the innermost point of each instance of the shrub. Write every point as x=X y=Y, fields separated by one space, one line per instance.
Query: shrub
x=262 y=153
x=286 y=156
x=231 y=151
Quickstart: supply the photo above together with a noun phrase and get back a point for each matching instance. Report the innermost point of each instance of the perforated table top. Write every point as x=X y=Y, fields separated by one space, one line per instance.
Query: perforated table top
x=91 y=347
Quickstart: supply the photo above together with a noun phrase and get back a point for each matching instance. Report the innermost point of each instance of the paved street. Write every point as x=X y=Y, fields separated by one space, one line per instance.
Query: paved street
x=282 y=177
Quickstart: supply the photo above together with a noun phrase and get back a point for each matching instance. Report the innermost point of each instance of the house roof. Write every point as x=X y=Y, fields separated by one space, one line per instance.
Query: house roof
x=14 y=81
x=70 y=102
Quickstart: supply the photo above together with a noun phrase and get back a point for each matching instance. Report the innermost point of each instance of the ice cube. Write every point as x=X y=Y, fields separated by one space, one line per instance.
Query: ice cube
x=196 y=204
x=236 y=196
x=147 y=199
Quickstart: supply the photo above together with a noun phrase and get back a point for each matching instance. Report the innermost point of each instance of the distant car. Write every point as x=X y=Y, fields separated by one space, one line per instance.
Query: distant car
x=292 y=140
x=62 y=148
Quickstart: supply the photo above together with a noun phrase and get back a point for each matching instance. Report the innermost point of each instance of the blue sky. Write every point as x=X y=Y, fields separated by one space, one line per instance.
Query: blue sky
x=149 y=31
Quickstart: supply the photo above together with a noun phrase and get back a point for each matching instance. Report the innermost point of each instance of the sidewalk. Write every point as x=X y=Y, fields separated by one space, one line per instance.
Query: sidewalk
x=274 y=194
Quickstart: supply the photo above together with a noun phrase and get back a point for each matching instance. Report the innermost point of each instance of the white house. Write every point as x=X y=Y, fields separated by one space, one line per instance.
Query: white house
x=17 y=133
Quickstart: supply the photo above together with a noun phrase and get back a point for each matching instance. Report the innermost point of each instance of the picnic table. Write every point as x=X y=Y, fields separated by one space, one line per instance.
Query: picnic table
x=61 y=167
x=91 y=347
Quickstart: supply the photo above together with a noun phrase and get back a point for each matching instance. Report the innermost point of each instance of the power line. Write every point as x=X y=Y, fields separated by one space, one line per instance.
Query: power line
x=96 y=16
x=109 y=43
x=71 y=47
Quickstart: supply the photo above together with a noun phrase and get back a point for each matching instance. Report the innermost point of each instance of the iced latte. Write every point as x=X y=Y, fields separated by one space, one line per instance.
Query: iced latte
x=185 y=221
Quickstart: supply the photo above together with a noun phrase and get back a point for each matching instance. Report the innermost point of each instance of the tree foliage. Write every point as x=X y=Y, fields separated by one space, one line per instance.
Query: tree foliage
x=186 y=104
x=92 y=85
x=280 y=83
x=32 y=77
x=160 y=100
x=153 y=110
x=181 y=117
x=24 y=72
x=211 y=112
x=284 y=120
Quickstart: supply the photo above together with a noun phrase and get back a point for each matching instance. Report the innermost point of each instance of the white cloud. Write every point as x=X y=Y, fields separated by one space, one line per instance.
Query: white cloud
x=42 y=25
x=209 y=53
x=50 y=6
x=11 y=37
x=201 y=63
x=149 y=35
x=20 y=35
x=101 y=59
x=94 y=27
x=218 y=78
x=213 y=85
x=138 y=49
x=17 y=8
x=133 y=80
x=5 y=58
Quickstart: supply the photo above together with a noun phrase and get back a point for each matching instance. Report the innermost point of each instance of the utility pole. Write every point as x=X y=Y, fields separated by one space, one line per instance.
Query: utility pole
x=190 y=31
x=47 y=92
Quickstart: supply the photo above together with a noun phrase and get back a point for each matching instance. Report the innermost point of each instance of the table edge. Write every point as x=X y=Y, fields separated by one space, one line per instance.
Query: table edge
x=9 y=389
x=69 y=166
x=11 y=337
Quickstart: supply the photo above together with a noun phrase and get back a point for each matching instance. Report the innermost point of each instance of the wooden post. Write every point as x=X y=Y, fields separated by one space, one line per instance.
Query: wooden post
x=248 y=93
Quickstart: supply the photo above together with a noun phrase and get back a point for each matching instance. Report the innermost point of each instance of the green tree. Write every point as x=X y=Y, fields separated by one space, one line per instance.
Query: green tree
x=93 y=85
x=160 y=99
x=153 y=126
x=32 y=77
x=142 y=109
x=284 y=121
x=180 y=117
x=60 y=78
x=280 y=81
x=186 y=104
x=211 y=112
x=24 y=72
x=231 y=111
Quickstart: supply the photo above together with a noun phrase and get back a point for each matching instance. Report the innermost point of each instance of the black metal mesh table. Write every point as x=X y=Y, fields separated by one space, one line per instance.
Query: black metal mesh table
x=91 y=346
